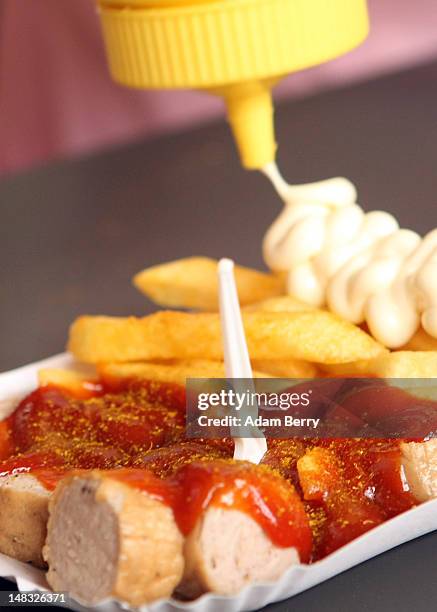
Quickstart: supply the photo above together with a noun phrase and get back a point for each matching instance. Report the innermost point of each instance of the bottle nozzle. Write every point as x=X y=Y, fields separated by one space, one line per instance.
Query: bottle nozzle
x=250 y=115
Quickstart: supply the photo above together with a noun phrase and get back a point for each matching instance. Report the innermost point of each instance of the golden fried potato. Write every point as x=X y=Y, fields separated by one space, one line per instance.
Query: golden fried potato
x=69 y=379
x=286 y=368
x=358 y=369
x=407 y=364
x=282 y=303
x=398 y=364
x=192 y=283
x=310 y=336
x=177 y=372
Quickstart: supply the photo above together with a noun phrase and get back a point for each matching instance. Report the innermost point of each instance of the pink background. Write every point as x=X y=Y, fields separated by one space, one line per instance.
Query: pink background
x=56 y=98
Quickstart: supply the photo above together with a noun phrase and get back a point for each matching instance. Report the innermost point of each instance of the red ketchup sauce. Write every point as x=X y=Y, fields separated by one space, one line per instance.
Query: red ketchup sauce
x=254 y=490
x=348 y=486
x=135 y=431
x=351 y=485
x=54 y=430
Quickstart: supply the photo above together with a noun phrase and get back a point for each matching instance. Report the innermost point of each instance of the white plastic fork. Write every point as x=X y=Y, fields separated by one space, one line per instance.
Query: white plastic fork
x=237 y=362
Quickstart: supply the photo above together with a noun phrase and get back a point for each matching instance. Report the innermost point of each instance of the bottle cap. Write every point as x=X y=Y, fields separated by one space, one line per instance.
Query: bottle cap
x=220 y=45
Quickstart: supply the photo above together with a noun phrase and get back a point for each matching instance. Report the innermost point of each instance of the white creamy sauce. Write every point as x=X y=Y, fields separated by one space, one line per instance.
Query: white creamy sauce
x=362 y=266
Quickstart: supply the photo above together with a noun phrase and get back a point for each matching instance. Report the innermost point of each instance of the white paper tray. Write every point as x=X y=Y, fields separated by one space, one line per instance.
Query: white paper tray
x=407 y=526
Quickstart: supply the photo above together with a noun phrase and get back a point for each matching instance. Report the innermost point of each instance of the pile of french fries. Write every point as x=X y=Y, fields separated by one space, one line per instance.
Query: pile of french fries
x=286 y=338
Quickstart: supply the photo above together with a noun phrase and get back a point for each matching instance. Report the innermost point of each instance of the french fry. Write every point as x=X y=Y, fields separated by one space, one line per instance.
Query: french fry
x=73 y=380
x=398 y=364
x=192 y=283
x=282 y=303
x=177 y=372
x=406 y=364
x=358 y=369
x=173 y=371
x=286 y=368
x=309 y=336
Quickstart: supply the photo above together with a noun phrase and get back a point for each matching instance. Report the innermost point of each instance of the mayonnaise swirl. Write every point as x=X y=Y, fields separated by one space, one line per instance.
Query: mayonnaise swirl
x=361 y=265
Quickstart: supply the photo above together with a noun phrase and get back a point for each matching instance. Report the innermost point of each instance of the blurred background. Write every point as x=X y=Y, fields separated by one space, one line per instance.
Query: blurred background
x=57 y=99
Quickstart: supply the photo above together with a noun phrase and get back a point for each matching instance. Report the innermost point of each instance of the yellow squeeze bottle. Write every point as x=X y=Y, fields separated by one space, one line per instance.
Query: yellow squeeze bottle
x=238 y=49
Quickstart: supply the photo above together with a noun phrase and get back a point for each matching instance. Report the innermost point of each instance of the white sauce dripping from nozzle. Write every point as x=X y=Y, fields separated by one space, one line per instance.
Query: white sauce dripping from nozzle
x=361 y=265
